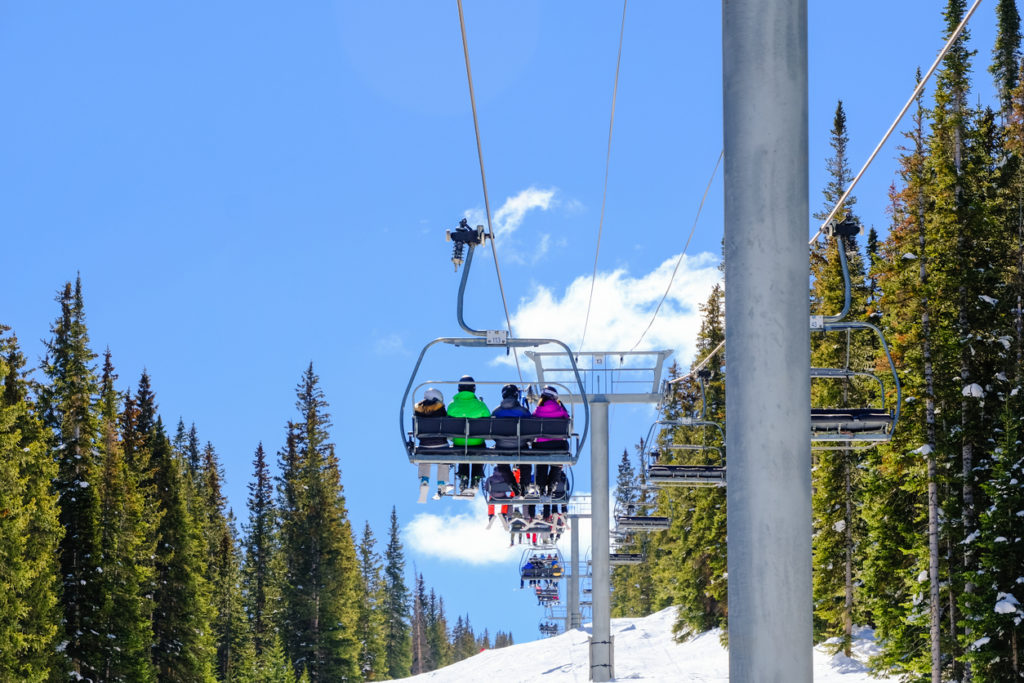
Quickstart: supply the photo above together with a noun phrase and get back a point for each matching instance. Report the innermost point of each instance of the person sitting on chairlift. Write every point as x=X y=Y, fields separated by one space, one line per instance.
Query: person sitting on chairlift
x=510 y=407
x=432 y=405
x=467 y=404
x=549 y=406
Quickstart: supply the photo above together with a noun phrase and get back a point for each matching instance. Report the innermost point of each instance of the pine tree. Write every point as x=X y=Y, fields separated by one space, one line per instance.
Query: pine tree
x=125 y=545
x=1006 y=53
x=421 y=660
x=68 y=409
x=901 y=564
x=836 y=477
x=397 y=638
x=437 y=633
x=632 y=586
x=224 y=571
x=464 y=642
x=690 y=563
x=372 y=614
x=184 y=647
x=321 y=574
x=30 y=531
x=262 y=568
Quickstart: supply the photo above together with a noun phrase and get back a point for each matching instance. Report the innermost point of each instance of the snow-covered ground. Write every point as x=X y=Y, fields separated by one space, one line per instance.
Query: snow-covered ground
x=644 y=651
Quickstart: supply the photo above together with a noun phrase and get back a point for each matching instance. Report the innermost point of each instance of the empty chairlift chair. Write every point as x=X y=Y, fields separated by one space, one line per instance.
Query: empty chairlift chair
x=706 y=459
x=849 y=400
x=625 y=559
x=628 y=521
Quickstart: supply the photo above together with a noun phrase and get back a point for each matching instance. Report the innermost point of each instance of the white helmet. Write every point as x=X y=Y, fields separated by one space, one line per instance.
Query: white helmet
x=433 y=394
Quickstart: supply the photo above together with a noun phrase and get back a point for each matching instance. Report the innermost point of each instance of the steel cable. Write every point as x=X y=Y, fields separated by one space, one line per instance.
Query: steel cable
x=607 y=163
x=483 y=181
x=917 y=91
x=685 y=247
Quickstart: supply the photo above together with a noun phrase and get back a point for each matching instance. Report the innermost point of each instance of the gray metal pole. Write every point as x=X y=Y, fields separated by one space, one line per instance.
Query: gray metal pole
x=764 y=49
x=574 y=575
x=601 y=628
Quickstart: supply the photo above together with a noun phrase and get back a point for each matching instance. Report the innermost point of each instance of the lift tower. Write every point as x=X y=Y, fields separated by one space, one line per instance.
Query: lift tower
x=608 y=377
x=764 y=73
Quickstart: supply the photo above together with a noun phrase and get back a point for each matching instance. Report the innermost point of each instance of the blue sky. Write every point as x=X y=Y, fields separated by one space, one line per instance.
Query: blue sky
x=249 y=187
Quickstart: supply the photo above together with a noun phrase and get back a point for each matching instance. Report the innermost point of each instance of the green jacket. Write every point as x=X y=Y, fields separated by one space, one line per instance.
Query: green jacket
x=466 y=404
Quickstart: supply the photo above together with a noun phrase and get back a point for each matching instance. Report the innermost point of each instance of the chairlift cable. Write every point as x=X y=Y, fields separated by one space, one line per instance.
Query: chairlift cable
x=685 y=247
x=483 y=181
x=917 y=91
x=607 y=163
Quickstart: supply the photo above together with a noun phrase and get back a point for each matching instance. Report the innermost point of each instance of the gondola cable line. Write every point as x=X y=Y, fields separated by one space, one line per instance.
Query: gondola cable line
x=483 y=180
x=607 y=165
x=917 y=91
x=686 y=246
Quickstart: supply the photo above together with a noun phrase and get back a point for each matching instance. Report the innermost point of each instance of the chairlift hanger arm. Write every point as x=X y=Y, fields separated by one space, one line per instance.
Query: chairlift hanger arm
x=839 y=230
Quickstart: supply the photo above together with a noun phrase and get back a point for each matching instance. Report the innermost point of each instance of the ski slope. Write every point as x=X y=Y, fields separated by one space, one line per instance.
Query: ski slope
x=644 y=651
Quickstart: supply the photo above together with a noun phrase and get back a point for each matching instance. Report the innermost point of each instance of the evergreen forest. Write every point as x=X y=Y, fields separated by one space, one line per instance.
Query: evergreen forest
x=920 y=537
x=121 y=561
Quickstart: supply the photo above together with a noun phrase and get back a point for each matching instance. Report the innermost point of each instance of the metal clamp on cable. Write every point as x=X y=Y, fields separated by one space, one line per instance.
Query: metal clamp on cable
x=462 y=236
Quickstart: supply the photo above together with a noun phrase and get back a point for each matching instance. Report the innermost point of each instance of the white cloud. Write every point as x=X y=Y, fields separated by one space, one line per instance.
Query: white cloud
x=509 y=217
x=622 y=308
x=389 y=344
x=463 y=536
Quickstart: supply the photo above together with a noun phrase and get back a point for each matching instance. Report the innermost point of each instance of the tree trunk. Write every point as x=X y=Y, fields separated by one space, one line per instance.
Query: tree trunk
x=934 y=632
x=848 y=606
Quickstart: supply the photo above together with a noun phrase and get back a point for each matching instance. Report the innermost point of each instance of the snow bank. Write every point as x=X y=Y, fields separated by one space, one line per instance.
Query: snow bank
x=644 y=651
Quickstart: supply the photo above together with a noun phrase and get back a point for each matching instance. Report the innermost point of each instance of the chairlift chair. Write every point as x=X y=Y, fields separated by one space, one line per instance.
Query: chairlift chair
x=524 y=430
x=709 y=473
x=845 y=426
x=625 y=559
x=534 y=565
x=548 y=629
x=559 y=495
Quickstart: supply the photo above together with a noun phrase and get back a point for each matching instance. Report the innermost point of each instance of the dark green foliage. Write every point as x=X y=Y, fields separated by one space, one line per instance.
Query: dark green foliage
x=689 y=563
x=836 y=474
x=30 y=531
x=184 y=648
x=463 y=640
x=68 y=409
x=224 y=571
x=421 y=655
x=372 y=615
x=125 y=547
x=1006 y=53
x=632 y=586
x=321 y=583
x=262 y=568
x=437 y=632
x=397 y=636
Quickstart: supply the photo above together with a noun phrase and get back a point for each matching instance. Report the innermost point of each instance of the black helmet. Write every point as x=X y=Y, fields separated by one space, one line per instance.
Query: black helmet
x=510 y=391
x=467 y=383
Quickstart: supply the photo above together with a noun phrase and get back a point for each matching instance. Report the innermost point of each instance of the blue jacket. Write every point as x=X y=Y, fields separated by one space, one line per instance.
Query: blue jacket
x=509 y=408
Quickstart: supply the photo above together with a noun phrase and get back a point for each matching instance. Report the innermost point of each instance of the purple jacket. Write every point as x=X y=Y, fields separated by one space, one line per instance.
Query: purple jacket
x=550 y=408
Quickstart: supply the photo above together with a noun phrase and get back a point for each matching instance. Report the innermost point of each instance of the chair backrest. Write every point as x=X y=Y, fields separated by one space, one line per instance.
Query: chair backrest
x=493 y=427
